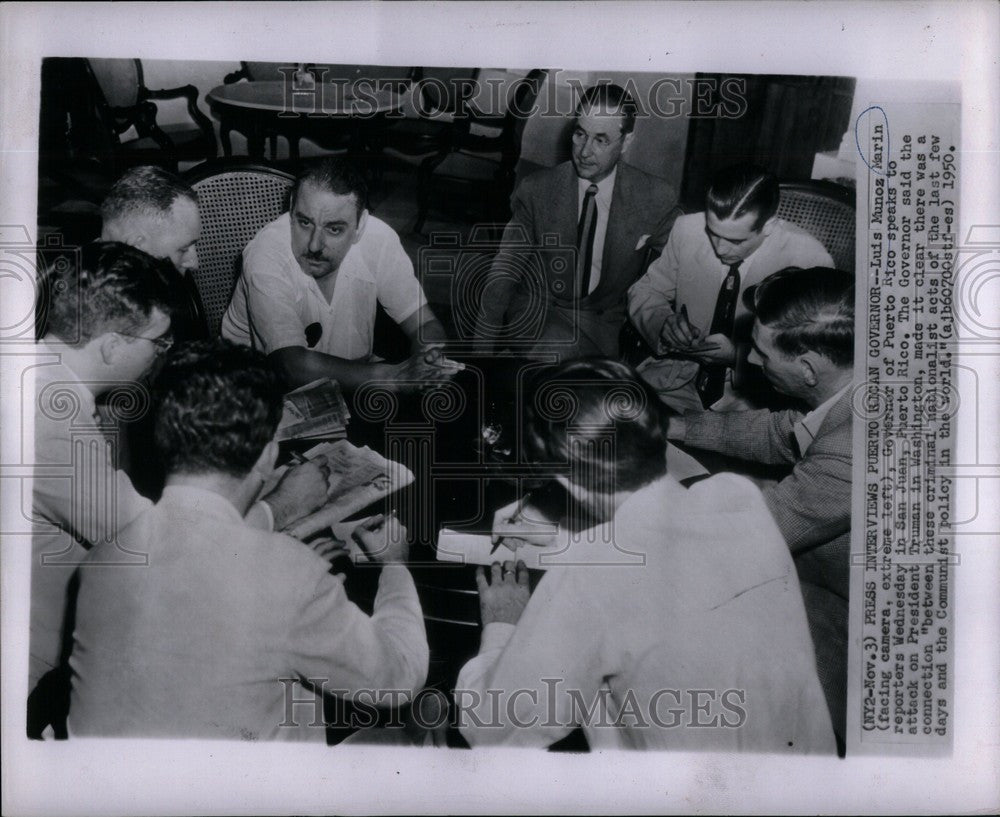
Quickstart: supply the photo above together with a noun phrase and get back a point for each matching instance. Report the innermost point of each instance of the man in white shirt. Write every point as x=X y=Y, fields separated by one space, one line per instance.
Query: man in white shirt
x=312 y=280
x=108 y=320
x=577 y=239
x=231 y=632
x=661 y=651
x=803 y=338
x=688 y=306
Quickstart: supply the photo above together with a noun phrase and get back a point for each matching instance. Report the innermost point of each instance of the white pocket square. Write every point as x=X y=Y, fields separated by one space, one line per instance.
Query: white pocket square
x=642 y=242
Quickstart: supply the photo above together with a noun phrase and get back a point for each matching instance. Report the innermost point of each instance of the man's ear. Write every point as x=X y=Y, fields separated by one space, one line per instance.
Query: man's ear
x=627 y=140
x=108 y=346
x=810 y=364
x=362 y=223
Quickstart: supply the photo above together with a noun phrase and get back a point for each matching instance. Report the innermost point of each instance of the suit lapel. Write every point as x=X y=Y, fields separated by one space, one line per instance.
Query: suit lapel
x=621 y=217
x=563 y=201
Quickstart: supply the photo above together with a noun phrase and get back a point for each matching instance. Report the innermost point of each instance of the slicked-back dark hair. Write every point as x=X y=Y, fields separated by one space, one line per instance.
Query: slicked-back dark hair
x=335 y=175
x=809 y=310
x=109 y=287
x=602 y=419
x=216 y=405
x=741 y=189
x=145 y=191
x=613 y=98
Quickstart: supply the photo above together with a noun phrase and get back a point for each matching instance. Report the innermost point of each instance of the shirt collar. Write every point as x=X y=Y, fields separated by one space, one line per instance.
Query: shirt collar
x=806 y=429
x=604 y=187
x=59 y=371
x=201 y=500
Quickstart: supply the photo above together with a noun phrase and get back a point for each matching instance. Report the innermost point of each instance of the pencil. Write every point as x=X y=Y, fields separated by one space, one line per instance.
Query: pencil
x=513 y=518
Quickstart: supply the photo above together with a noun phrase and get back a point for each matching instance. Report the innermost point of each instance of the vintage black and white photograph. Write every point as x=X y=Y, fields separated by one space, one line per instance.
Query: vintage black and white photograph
x=404 y=404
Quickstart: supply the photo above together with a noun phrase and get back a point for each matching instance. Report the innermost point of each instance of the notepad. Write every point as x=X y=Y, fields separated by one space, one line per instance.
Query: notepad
x=595 y=546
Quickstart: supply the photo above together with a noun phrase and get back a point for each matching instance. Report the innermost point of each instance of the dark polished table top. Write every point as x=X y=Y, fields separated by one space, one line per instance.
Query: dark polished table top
x=461 y=478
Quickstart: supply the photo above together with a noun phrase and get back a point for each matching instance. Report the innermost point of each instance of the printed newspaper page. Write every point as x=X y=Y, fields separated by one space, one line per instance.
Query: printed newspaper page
x=877 y=125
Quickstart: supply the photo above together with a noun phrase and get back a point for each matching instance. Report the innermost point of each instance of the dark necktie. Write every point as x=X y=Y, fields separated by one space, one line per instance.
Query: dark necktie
x=712 y=377
x=585 y=241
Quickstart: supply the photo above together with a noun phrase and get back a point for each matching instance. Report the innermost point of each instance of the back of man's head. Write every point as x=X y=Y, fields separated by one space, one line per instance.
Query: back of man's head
x=741 y=189
x=335 y=175
x=809 y=310
x=216 y=406
x=600 y=418
x=610 y=98
x=143 y=192
x=109 y=287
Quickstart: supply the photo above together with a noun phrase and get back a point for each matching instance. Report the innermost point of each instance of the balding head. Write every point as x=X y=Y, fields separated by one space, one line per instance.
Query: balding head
x=155 y=211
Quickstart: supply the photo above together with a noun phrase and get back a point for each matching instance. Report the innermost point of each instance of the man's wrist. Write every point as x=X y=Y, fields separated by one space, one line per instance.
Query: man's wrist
x=676 y=428
x=282 y=513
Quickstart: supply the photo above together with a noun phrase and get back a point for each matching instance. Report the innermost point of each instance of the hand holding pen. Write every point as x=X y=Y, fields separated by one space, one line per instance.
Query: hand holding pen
x=513 y=528
x=681 y=337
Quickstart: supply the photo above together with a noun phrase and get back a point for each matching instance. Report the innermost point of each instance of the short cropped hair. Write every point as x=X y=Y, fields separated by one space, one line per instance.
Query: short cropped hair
x=216 y=405
x=579 y=407
x=612 y=97
x=335 y=175
x=145 y=191
x=809 y=310
x=109 y=287
x=741 y=189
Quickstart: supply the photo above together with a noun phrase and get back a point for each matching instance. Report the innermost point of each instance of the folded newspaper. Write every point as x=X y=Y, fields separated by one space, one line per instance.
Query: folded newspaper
x=358 y=477
x=316 y=410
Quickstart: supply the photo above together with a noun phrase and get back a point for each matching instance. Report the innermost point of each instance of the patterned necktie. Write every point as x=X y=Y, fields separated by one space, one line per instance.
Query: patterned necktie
x=712 y=378
x=585 y=241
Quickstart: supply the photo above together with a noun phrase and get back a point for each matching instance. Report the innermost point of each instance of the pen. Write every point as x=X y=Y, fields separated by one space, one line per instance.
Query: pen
x=687 y=321
x=513 y=518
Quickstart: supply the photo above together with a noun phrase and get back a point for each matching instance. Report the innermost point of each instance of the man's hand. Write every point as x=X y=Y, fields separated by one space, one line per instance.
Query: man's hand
x=424 y=369
x=384 y=539
x=329 y=547
x=301 y=490
x=518 y=525
x=715 y=348
x=505 y=596
x=678 y=333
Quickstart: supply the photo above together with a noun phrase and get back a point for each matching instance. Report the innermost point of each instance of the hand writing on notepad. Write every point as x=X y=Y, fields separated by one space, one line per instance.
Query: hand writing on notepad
x=681 y=337
x=519 y=524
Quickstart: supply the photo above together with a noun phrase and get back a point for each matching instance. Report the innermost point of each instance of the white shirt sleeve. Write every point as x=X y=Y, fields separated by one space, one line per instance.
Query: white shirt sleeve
x=399 y=291
x=273 y=315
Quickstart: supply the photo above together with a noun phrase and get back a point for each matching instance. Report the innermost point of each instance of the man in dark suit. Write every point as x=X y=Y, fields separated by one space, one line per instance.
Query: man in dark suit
x=577 y=240
x=803 y=338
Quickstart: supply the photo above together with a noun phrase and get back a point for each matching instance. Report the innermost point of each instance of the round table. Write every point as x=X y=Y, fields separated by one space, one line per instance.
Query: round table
x=345 y=113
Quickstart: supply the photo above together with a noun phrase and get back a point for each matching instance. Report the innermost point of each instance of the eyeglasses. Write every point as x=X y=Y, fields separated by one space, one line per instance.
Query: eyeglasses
x=600 y=142
x=163 y=345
